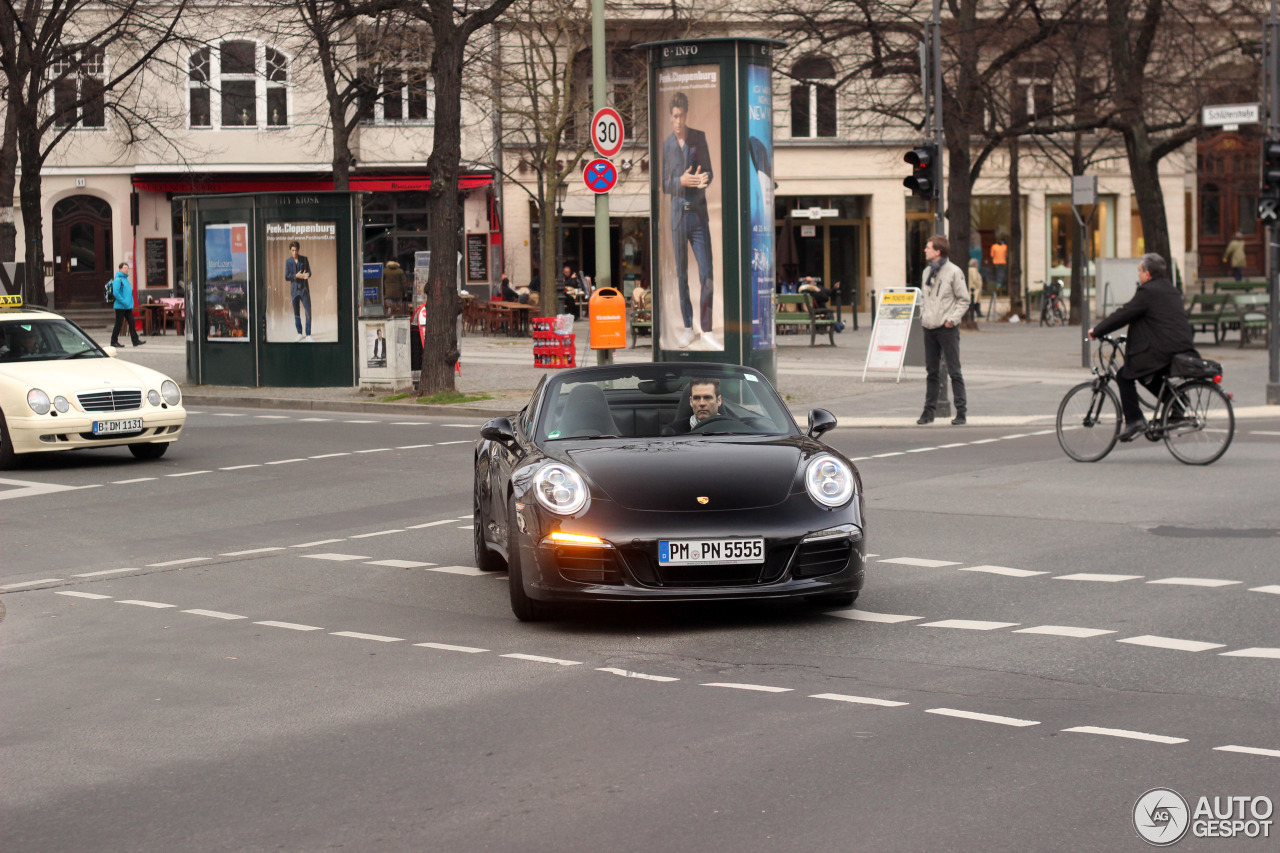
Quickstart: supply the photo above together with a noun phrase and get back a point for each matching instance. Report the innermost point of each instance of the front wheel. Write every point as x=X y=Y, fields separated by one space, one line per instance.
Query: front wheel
x=1056 y=317
x=1088 y=422
x=8 y=459
x=1198 y=423
x=153 y=450
x=486 y=559
x=525 y=608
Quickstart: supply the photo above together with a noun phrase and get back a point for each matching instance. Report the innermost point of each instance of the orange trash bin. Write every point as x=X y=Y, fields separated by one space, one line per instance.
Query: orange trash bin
x=607 y=310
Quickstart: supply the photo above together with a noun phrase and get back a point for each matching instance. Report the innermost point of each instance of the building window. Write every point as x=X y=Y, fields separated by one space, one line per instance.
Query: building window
x=1032 y=96
x=238 y=84
x=813 y=99
x=395 y=77
x=79 y=89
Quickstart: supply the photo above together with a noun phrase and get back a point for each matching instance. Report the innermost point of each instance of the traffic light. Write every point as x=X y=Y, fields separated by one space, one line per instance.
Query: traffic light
x=1271 y=168
x=923 y=182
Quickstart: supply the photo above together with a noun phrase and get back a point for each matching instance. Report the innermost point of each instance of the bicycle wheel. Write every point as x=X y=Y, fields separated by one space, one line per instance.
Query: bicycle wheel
x=1088 y=422
x=1198 y=423
x=1058 y=318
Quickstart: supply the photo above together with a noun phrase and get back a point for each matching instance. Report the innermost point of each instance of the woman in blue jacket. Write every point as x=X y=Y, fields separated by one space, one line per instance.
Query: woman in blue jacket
x=122 y=289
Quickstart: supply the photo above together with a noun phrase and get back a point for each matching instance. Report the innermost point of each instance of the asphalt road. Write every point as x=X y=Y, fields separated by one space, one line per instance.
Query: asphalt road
x=274 y=639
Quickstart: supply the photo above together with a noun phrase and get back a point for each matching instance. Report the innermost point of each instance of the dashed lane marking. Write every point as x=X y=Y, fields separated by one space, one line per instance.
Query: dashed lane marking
x=374 y=450
x=413 y=446
x=982 y=718
x=463 y=441
x=317 y=542
x=868 y=616
x=411 y=423
x=626 y=673
x=1209 y=582
x=1099 y=578
x=134 y=480
x=214 y=614
x=399 y=564
x=1273 y=589
x=377 y=533
x=471 y=571
x=1171 y=643
x=1064 y=631
x=736 y=685
x=272 y=417
x=968 y=624
x=104 y=572
x=158 y=605
x=75 y=594
x=430 y=524
x=1125 y=733
x=985 y=441
x=241 y=467
x=29 y=583
x=541 y=659
x=285 y=461
x=228 y=414
x=359 y=422
x=859 y=700
x=1249 y=750
x=1252 y=653
x=328 y=455
x=886 y=455
x=314 y=420
x=188 y=473
x=292 y=626
x=446 y=647
x=916 y=561
x=335 y=557
x=183 y=561
x=1002 y=570
x=253 y=551
x=356 y=635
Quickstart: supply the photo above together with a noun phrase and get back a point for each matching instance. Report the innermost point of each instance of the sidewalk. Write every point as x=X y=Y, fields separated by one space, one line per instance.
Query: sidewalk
x=1016 y=375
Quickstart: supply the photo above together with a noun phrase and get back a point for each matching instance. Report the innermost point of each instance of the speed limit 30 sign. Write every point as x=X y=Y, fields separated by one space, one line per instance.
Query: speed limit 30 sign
x=606 y=132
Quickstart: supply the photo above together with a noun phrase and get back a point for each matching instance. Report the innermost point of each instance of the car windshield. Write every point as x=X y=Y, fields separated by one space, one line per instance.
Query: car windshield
x=53 y=339
x=661 y=401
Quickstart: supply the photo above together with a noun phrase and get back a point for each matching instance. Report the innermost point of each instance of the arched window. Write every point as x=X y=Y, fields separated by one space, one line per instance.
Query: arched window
x=238 y=83
x=813 y=98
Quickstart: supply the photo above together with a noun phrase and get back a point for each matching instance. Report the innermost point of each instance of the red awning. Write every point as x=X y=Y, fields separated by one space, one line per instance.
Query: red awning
x=399 y=183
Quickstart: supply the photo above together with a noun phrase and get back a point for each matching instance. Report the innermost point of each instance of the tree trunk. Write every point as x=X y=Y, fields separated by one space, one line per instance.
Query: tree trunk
x=549 y=302
x=959 y=194
x=8 y=183
x=1013 y=272
x=1146 y=188
x=32 y=226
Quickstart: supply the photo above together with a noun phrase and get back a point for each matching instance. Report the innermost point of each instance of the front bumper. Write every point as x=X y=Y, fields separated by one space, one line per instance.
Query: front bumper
x=74 y=430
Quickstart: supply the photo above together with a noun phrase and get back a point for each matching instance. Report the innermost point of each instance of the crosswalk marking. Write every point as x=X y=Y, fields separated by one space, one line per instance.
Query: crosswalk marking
x=982 y=718
x=253 y=551
x=378 y=533
x=1209 y=582
x=1064 y=631
x=1002 y=570
x=158 y=605
x=860 y=700
x=916 y=561
x=968 y=624
x=292 y=626
x=471 y=650
x=1100 y=578
x=1171 y=643
x=459 y=570
x=1125 y=733
x=541 y=659
x=1252 y=653
x=214 y=614
x=377 y=638
x=759 y=688
x=1250 y=750
x=76 y=594
x=336 y=557
x=868 y=616
x=29 y=583
x=626 y=673
x=399 y=564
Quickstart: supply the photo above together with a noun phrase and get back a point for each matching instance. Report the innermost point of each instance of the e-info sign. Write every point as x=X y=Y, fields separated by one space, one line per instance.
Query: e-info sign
x=888 y=348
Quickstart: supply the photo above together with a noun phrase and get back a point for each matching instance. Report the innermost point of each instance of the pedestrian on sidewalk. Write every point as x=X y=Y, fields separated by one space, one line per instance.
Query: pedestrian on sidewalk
x=975 y=289
x=1234 y=256
x=122 y=291
x=944 y=299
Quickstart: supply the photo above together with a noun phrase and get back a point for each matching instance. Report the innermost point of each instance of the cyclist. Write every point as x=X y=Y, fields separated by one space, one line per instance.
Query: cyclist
x=1158 y=330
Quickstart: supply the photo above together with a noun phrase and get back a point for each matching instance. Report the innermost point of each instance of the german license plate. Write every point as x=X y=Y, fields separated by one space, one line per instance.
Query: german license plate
x=674 y=552
x=115 y=427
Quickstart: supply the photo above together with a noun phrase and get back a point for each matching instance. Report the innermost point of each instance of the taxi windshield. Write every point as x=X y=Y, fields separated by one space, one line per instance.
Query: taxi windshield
x=27 y=339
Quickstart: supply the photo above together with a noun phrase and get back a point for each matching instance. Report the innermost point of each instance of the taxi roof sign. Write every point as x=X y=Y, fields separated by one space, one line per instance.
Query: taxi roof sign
x=10 y=301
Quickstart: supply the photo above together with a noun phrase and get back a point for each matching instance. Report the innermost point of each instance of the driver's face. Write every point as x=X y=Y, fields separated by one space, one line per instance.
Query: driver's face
x=704 y=401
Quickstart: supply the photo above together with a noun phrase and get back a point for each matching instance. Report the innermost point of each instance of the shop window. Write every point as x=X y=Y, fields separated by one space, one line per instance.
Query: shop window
x=79 y=89
x=1063 y=231
x=234 y=84
x=813 y=98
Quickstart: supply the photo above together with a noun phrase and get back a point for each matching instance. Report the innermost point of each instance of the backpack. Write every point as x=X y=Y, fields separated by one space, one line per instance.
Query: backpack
x=110 y=292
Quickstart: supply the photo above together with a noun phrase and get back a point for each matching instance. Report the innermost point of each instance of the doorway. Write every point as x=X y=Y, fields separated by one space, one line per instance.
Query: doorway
x=82 y=251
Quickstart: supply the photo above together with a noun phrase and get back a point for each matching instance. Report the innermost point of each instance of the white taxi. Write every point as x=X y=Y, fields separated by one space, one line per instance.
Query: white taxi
x=59 y=390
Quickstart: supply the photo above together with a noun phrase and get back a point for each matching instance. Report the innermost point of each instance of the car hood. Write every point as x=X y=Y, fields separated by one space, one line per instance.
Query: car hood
x=81 y=374
x=672 y=476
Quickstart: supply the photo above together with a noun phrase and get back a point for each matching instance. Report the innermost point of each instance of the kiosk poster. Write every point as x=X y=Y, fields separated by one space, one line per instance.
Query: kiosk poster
x=690 y=243
x=375 y=344
x=302 y=282
x=888 y=347
x=226 y=282
x=760 y=142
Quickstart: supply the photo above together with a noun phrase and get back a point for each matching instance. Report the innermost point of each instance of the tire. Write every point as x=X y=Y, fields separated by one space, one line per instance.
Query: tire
x=8 y=459
x=1055 y=316
x=1088 y=422
x=833 y=600
x=153 y=450
x=486 y=559
x=525 y=608
x=1207 y=434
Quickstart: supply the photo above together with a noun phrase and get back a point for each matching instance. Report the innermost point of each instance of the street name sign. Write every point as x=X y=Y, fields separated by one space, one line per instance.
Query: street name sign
x=1230 y=115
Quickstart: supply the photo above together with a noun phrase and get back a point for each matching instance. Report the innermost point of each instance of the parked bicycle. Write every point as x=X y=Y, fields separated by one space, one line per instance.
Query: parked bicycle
x=1192 y=415
x=1052 y=311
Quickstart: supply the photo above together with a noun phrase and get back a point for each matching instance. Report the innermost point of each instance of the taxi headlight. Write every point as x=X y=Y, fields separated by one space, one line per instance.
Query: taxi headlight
x=169 y=389
x=828 y=481
x=560 y=489
x=38 y=401
x=153 y=397
x=60 y=403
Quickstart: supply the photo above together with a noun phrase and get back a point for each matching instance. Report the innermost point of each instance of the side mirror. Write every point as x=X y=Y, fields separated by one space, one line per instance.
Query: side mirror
x=499 y=430
x=820 y=421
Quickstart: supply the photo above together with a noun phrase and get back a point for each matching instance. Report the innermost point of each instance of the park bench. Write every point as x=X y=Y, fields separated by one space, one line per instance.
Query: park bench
x=1251 y=315
x=1246 y=286
x=1209 y=312
x=807 y=316
x=641 y=323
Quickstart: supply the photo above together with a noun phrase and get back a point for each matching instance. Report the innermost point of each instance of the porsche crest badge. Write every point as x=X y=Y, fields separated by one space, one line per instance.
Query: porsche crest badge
x=703 y=501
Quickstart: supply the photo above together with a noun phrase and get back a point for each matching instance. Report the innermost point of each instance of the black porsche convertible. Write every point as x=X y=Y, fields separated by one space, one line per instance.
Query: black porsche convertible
x=665 y=482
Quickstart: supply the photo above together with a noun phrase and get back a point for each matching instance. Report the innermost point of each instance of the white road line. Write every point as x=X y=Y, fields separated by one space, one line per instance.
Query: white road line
x=885 y=455
x=104 y=572
x=922 y=450
x=317 y=542
x=869 y=556
x=272 y=417
x=430 y=524
x=463 y=441
x=1090 y=576
x=1262 y=432
x=356 y=635
x=916 y=561
x=464 y=527
x=292 y=626
x=1015 y=435
x=413 y=446
x=861 y=700
x=759 y=688
x=177 y=562
x=470 y=571
x=466 y=517
x=241 y=467
x=985 y=441
x=314 y=420
x=859 y=458
x=30 y=583
x=411 y=423
x=378 y=533
x=336 y=557
x=982 y=718
x=626 y=673
x=188 y=473
x=868 y=616
x=399 y=564
x=1252 y=653
x=949 y=446
x=285 y=461
x=1043 y=432
x=1171 y=643
x=1064 y=631
x=374 y=450
x=1002 y=570
x=471 y=650
x=94 y=486
x=156 y=604
x=359 y=422
x=968 y=624
x=541 y=659
x=1273 y=589
x=134 y=480
x=228 y=414
x=1095 y=730
x=214 y=614
x=75 y=594
x=252 y=551
x=1250 y=750
x=328 y=455
x=1211 y=582
x=462 y=426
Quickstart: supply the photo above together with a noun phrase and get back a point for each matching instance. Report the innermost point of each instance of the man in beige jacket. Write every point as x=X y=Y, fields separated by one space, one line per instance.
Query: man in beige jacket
x=944 y=299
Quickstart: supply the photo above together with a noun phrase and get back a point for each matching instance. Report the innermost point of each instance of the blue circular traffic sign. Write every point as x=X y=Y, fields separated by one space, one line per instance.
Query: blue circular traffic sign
x=600 y=176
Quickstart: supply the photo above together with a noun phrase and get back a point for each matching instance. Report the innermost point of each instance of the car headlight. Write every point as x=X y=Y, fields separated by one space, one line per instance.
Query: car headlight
x=170 y=392
x=38 y=401
x=60 y=403
x=560 y=489
x=828 y=481
x=153 y=397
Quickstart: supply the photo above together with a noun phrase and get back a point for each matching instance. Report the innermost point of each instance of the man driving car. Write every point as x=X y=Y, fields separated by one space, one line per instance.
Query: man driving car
x=704 y=397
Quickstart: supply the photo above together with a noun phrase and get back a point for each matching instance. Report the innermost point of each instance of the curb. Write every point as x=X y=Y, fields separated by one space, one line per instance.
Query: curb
x=340 y=406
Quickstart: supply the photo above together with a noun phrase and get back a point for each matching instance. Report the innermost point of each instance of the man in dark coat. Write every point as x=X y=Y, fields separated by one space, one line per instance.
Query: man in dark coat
x=686 y=174
x=1158 y=330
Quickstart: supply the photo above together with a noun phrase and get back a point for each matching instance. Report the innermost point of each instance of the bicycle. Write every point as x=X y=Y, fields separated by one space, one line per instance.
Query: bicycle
x=1052 y=311
x=1192 y=415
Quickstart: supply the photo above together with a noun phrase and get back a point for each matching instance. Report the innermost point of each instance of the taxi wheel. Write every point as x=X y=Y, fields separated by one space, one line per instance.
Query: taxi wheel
x=149 y=451
x=8 y=459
